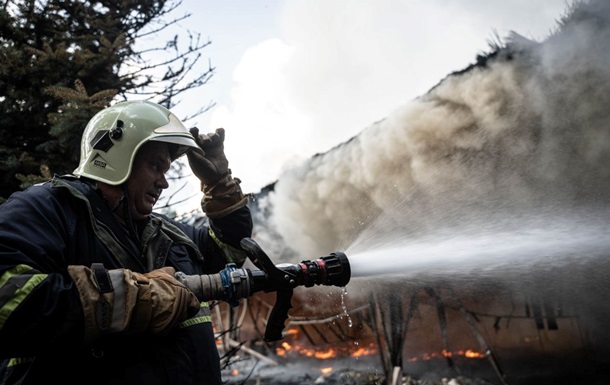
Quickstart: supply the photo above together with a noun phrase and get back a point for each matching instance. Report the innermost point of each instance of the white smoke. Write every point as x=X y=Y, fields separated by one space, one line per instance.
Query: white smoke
x=523 y=132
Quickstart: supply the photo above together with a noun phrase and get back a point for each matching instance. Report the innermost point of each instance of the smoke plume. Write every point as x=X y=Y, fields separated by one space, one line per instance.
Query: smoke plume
x=522 y=135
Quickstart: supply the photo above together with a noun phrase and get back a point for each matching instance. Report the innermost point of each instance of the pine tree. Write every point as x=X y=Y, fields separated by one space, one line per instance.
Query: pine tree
x=61 y=61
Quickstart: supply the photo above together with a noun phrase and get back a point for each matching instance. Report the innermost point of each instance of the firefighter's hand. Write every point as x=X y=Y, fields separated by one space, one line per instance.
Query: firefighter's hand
x=162 y=301
x=121 y=300
x=209 y=162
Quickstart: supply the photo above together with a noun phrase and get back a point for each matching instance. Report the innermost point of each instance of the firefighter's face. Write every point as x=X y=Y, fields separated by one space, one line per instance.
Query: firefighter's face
x=147 y=179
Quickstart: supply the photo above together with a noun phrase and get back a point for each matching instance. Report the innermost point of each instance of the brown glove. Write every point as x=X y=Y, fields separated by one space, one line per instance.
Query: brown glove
x=209 y=162
x=221 y=192
x=121 y=300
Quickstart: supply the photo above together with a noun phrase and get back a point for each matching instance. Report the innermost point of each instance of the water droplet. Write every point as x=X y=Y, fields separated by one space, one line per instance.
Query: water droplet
x=344 y=307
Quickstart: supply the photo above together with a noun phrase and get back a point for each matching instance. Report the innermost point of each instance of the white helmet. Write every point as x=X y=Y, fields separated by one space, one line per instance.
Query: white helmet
x=114 y=135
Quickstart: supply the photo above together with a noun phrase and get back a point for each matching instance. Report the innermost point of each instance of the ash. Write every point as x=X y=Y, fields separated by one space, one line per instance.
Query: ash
x=251 y=371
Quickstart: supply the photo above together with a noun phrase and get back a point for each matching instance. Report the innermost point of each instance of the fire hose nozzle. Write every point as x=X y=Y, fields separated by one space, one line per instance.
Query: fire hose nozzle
x=330 y=270
x=234 y=283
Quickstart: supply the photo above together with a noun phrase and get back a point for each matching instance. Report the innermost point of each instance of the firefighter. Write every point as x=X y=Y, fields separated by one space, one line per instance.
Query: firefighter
x=87 y=287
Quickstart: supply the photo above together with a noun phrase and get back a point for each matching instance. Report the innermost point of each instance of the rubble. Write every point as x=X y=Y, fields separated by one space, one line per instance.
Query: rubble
x=250 y=371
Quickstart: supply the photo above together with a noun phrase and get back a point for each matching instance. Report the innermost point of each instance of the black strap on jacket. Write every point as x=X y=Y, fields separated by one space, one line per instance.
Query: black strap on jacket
x=102 y=277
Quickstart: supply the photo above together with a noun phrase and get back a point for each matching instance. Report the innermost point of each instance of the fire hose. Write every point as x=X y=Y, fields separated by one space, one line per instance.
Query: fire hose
x=234 y=283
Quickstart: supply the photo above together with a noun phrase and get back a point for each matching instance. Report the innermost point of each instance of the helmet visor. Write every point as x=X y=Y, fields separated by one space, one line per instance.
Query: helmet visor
x=169 y=134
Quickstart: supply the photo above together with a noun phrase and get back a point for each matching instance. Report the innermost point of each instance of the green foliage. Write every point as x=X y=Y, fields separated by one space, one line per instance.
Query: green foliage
x=30 y=180
x=68 y=122
x=61 y=61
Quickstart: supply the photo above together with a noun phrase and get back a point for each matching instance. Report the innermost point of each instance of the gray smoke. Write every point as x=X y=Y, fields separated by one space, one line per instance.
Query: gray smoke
x=521 y=138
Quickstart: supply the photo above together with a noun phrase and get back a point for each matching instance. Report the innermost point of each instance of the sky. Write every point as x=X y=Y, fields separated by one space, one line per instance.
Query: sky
x=297 y=77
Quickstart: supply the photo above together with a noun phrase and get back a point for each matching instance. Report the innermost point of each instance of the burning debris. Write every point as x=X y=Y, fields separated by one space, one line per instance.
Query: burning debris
x=417 y=330
x=296 y=374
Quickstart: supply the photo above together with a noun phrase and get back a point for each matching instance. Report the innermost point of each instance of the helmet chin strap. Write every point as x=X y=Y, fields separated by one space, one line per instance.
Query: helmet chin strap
x=118 y=203
x=131 y=226
x=129 y=223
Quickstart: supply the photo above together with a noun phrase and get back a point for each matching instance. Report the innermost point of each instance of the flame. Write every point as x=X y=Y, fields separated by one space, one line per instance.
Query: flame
x=299 y=346
x=354 y=350
x=469 y=353
x=324 y=354
x=472 y=354
x=364 y=351
x=330 y=353
x=326 y=370
x=319 y=354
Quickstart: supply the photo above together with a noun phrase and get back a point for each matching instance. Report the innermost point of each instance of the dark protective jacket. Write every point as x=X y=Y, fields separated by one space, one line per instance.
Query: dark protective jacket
x=66 y=222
